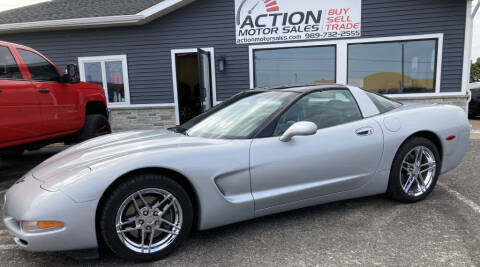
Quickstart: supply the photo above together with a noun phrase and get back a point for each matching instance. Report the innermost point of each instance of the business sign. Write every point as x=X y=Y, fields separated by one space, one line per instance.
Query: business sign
x=260 y=21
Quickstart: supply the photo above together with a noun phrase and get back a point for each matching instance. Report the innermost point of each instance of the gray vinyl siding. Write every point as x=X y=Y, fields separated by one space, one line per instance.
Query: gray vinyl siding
x=210 y=23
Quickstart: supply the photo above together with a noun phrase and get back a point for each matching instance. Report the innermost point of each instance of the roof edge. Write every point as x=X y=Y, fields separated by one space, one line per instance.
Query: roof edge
x=140 y=18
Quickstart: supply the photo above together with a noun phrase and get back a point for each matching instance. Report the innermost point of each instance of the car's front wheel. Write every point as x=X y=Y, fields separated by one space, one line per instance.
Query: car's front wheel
x=146 y=217
x=414 y=171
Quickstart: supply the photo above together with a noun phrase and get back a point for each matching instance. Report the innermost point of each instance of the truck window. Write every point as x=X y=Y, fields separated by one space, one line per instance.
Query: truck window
x=8 y=66
x=40 y=69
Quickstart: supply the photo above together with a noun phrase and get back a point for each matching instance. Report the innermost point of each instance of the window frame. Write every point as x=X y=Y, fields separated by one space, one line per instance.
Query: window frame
x=102 y=60
x=342 y=59
x=435 y=75
x=290 y=47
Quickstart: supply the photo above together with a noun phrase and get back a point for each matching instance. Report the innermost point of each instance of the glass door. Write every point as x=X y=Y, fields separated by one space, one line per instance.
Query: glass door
x=205 y=79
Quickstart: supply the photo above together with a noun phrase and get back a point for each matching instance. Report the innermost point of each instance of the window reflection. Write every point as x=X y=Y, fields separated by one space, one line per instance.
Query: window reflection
x=240 y=118
x=292 y=66
x=325 y=109
x=8 y=65
x=393 y=67
x=39 y=68
x=93 y=73
x=116 y=91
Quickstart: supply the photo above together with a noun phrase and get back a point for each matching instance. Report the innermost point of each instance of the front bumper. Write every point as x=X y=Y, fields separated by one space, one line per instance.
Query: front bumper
x=27 y=201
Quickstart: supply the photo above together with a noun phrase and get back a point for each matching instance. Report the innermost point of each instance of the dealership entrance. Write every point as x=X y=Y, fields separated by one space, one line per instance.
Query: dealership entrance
x=194 y=86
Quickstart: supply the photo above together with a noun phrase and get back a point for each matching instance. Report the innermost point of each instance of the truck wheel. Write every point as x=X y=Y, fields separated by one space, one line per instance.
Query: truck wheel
x=11 y=153
x=95 y=125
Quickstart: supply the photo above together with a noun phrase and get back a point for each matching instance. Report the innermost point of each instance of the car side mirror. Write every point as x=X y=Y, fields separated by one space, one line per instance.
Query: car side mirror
x=299 y=128
x=72 y=75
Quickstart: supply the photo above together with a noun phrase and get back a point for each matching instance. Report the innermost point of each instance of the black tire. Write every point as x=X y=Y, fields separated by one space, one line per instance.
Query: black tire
x=11 y=153
x=395 y=190
x=95 y=125
x=121 y=193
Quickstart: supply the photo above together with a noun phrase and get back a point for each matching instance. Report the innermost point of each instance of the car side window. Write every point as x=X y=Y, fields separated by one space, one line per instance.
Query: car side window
x=324 y=108
x=8 y=66
x=382 y=103
x=40 y=69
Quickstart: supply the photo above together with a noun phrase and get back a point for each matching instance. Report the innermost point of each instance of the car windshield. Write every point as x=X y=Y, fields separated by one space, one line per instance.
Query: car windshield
x=238 y=117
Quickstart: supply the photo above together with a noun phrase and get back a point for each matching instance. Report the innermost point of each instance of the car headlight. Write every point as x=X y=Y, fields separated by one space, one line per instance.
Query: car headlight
x=36 y=226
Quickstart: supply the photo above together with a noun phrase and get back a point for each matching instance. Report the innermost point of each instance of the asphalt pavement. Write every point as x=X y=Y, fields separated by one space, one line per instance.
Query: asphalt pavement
x=442 y=230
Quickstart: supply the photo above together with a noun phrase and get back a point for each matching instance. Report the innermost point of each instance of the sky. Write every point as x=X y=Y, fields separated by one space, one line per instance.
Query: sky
x=9 y=4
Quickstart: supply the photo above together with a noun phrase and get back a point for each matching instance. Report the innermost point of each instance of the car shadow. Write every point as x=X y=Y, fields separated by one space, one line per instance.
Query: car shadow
x=201 y=240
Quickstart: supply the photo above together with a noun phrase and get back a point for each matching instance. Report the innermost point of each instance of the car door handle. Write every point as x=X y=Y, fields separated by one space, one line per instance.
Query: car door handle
x=44 y=91
x=1 y=91
x=365 y=131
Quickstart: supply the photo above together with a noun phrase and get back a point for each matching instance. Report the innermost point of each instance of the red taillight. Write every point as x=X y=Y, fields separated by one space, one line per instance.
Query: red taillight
x=451 y=137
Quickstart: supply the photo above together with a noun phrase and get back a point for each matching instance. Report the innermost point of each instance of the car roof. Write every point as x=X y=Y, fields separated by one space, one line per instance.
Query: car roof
x=302 y=88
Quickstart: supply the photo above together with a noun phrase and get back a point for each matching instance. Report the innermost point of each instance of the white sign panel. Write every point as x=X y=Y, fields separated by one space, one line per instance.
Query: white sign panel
x=260 y=21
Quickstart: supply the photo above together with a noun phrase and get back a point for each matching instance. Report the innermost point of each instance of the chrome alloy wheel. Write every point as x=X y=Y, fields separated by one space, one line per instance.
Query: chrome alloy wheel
x=417 y=171
x=149 y=220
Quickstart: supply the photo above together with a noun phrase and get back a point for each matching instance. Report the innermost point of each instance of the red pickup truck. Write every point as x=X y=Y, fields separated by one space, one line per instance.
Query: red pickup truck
x=40 y=105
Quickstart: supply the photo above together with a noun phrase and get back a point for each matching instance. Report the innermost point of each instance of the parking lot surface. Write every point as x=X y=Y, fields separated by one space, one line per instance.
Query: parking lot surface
x=442 y=230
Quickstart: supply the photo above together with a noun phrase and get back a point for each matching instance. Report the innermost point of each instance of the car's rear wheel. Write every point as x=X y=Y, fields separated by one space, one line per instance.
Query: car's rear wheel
x=415 y=170
x=146 y=217
x=95 y=125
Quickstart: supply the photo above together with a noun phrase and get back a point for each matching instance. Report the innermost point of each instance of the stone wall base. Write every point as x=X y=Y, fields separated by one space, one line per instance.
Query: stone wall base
x=133 y=118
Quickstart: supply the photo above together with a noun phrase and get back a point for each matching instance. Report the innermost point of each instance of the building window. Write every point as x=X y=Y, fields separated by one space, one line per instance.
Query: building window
x=393 y=67
x=292 y=66
x=111 y=73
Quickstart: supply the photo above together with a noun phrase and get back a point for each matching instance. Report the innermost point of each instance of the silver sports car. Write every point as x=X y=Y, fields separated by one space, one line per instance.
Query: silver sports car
x=261 y=152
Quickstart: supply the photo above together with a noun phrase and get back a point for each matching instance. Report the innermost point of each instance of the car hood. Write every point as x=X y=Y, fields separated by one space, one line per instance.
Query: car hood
x=81 y=157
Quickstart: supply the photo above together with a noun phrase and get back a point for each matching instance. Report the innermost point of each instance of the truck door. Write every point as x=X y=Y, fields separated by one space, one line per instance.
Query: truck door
x=59 y=101
x=20 y=116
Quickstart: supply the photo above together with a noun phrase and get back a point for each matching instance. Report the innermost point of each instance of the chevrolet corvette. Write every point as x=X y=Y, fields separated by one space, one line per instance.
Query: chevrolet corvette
x=263 y=151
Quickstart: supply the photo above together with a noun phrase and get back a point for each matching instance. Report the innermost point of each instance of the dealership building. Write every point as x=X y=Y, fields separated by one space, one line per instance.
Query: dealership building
x=161 y=62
